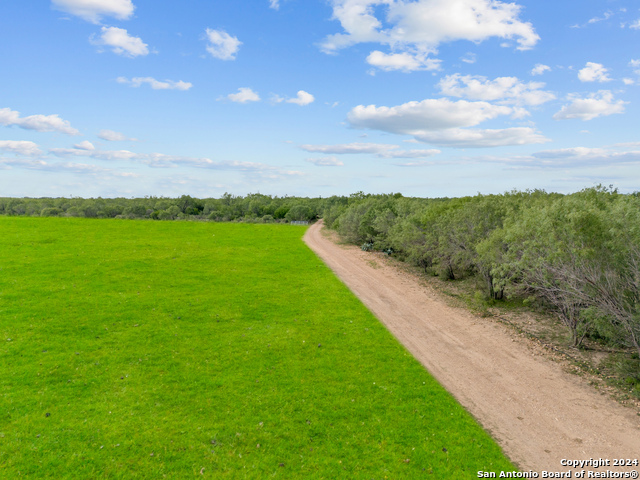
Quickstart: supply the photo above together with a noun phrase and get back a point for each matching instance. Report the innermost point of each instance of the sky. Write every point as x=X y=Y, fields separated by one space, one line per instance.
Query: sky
x=428 y=98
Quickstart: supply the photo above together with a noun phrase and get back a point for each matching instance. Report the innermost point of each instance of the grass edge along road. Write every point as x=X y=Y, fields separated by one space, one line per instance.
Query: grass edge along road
x=136 y=349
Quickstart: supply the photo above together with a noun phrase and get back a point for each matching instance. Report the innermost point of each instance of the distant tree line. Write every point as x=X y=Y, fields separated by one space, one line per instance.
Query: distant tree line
x=577 y=256
x=253 y=208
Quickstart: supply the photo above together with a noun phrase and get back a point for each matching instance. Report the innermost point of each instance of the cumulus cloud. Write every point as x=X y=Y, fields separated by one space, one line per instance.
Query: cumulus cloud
x=20 y=147
x=275 y=4
x=244 y=95
x=121 y=42
x=635 y=25
x=508 y=90
x=419 y=27
x=595 y=105
x=112 y=136
x=405 y=62
x=381 y=150
x=326 y=162
x=429 y=114
x=540 y=68
x=39 y=123
x=594 y=72
x=85 y=145
x=222 y=45
x=441 y=122
x=302 y=98
x=155 y=84
x=93 y=10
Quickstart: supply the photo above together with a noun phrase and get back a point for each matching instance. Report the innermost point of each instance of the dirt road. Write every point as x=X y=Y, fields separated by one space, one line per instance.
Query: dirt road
x=538 y=413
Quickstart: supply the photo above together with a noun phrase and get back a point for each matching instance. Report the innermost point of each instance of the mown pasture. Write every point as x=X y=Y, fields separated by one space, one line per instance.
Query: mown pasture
x=139 y=349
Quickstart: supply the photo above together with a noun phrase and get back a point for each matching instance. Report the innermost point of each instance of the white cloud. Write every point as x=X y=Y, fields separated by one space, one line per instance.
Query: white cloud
x=481 y=138
x=440 y=122
x=326 y=162
x=381 y=150
x=161 y=160
x=605 y=16
x=112 y=136
x=155 y=84
x=85 y=145
x=71 y=167
x=275 y=4
x=635 y=25
x=39 y=123
x=94 y=10
x=222 y=45
x=469 y=58
x=430 y=114
x=121 y=42
x=20 y=147
x=405 y=62
x=540 y=68
x=303 y=98
x=628 y=81
x=594 y=72
x=418 y=27
x=597 y=104
x=244 y=95
x=508 y=90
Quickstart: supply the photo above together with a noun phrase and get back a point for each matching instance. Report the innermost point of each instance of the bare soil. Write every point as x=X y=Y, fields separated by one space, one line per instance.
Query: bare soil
x=538 y=412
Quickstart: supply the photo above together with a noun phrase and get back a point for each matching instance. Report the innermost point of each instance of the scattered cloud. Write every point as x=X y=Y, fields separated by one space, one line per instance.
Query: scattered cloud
x=85 y=145
x=275 y=4
x=93 y=10
x=440 y=122
x=121 y=42
x=160 y=160
x=112 y=136
x=595 y=105
x=608 y=14
x=481 y=138
x=540 y=68
x=405 y=61
x=381 y=150
x=155 y=84
x=416 y=28
x=430 y=114
x=506 y=90
x=326 y=162
x=222 y=45
x=594 y=72
x=577 y=157
x=70 y=167
x=303 y=98
x=635 y=25
x=244 y=95
x=39 y=123
x=469 y=58
x=20 y=147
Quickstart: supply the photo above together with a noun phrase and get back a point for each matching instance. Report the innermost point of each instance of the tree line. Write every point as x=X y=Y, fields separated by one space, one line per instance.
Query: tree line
x=577 y=256
x=228 y=208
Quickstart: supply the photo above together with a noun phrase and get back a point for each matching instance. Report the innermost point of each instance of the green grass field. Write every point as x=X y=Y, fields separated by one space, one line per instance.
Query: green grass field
x=140 y=349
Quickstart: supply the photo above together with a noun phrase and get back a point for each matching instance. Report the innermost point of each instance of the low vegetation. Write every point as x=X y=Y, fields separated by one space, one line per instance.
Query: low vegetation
x=134 y=349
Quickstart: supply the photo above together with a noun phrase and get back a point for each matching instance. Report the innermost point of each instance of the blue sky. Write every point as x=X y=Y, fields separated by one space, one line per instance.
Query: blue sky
x=314 y=98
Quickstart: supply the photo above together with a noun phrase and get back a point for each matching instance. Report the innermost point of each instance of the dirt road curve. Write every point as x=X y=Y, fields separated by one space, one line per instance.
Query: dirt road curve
x=538 y=413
